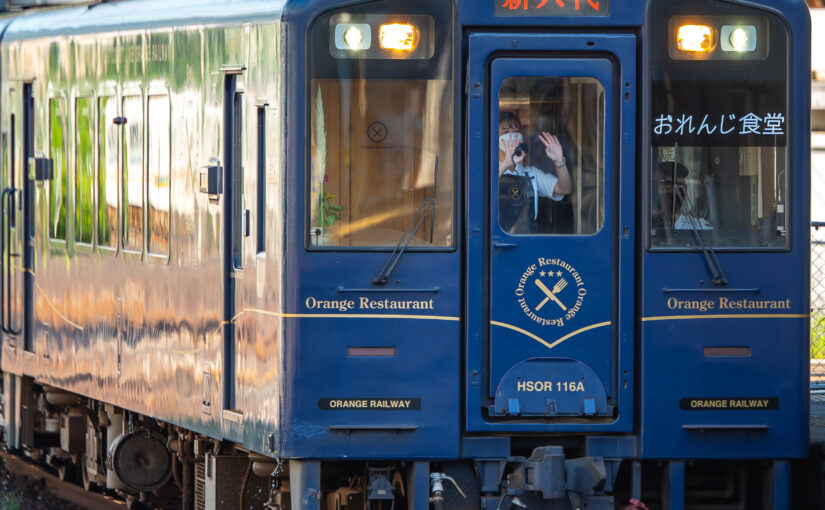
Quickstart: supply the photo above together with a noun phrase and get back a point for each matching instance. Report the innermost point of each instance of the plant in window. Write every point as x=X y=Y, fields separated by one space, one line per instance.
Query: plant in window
x=328 y=213
x=323 y=212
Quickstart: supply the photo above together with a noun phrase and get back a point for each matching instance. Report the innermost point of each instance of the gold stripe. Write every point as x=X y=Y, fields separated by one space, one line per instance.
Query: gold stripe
x=544 y=342
x=728 y=316
x=367 y=316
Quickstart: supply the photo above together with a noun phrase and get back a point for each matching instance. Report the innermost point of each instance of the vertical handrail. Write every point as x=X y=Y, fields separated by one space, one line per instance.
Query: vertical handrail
x=6 y=265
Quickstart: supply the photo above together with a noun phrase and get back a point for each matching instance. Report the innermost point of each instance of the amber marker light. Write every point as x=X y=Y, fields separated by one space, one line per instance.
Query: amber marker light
x=397 y=36
x=694 y=38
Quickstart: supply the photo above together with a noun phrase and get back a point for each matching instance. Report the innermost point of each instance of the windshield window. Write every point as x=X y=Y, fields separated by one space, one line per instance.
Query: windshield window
x=381 y=128
x=377 y=149
x=719 y=165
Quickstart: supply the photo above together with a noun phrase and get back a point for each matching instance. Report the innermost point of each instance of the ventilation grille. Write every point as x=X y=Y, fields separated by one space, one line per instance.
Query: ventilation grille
x=200 y=482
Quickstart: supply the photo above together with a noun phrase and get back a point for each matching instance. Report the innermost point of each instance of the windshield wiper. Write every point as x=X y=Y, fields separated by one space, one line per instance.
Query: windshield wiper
x=427 y=206
x=710 y=256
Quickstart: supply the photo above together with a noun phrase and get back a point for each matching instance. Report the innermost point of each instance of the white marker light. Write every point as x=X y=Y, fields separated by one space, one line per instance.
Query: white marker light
x=738 y=38
x=352 y=36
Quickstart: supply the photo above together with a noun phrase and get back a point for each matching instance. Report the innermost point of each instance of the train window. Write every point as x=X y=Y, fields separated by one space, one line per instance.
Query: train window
x=551 y=155
x=719 y=196
x=381 y=162
x=107 y=132
x=379 y=150
x=719 y=164
x=58 y=186
x=237 y=179
x=132 y=184
x=261 y=181
x=159 y=189
x=84 y=140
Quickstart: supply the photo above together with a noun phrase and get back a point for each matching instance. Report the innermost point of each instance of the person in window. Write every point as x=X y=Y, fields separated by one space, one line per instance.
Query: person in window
x=521 y=185
x=672 y=198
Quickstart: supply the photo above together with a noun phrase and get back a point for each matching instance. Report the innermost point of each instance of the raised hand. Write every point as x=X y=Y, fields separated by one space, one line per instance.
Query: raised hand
x=510 y=144
x=552 y=147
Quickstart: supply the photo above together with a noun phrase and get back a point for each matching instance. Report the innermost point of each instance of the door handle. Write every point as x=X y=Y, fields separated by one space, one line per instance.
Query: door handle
x=505 y=245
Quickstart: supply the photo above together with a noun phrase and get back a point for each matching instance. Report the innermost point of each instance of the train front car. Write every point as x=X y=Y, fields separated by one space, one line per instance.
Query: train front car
x=360 y=255
x=724 y=294
x=557 y=250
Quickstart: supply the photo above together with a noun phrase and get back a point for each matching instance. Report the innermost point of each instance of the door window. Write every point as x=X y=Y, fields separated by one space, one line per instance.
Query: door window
x=551 y=155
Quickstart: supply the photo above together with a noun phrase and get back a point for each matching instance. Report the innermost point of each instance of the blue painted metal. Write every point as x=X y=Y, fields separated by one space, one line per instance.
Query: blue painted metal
x=608 y=324
x=673 y=365
x=418 y=486
x=305 y=484
x=612 y=447
x=676 y=485
x=550 y=387
x=428 y=345
x=590 y=281
x=781 y=484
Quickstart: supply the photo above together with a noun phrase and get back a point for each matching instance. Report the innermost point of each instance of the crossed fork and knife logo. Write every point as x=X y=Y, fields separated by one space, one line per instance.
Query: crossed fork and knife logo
x=551 y=294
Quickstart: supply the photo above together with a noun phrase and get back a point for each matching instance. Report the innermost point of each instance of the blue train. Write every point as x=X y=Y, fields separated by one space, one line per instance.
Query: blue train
x=351 y=255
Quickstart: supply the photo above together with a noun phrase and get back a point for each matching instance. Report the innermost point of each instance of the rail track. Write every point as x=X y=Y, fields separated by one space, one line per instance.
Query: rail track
x=64 y=490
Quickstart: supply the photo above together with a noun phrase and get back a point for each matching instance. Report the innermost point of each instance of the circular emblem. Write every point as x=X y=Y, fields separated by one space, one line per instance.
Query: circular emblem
x=550 y=292
x=515 y=192
x=377 y=131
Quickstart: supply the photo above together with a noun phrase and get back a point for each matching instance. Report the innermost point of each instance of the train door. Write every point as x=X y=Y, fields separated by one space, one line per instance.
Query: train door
x=233 y=227
x=558 y=143
x=17 y=212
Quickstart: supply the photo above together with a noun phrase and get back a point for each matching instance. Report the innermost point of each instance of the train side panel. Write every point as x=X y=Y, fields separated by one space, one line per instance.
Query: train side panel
x=128 y=251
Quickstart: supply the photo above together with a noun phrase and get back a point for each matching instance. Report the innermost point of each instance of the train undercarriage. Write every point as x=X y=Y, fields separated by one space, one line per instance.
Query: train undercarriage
x=152 y=464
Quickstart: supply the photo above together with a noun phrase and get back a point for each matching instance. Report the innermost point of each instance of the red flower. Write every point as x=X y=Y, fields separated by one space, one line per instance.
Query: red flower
x=326 y=178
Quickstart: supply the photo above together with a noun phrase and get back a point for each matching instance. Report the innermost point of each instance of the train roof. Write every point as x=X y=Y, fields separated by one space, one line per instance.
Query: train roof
x=137 y=15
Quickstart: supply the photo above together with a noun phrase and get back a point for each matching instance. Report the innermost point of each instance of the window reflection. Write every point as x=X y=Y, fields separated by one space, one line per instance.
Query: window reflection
x=133 y=174
x=58 y=186
x=83 y=171
x=551 y=155
x=379 y=149
x=721 y=196
x=107 y=173
x=158 y=212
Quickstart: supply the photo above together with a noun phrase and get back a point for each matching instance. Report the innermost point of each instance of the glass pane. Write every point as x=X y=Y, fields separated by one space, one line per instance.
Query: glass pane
x=83 y=171
x=58 y=186
x=381 y=160
x=551 y=155
x=133 y=174
x=261 y=180
x=236 y=204
x=158 y=212
x=107 y=173
x=719 y=196
x=719 y=166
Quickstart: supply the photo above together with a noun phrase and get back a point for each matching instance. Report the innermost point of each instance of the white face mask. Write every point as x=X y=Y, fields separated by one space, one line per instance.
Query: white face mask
x=503 y=139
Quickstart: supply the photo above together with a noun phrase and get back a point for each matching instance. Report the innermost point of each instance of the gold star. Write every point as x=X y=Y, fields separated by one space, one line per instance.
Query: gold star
x=542 y=273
